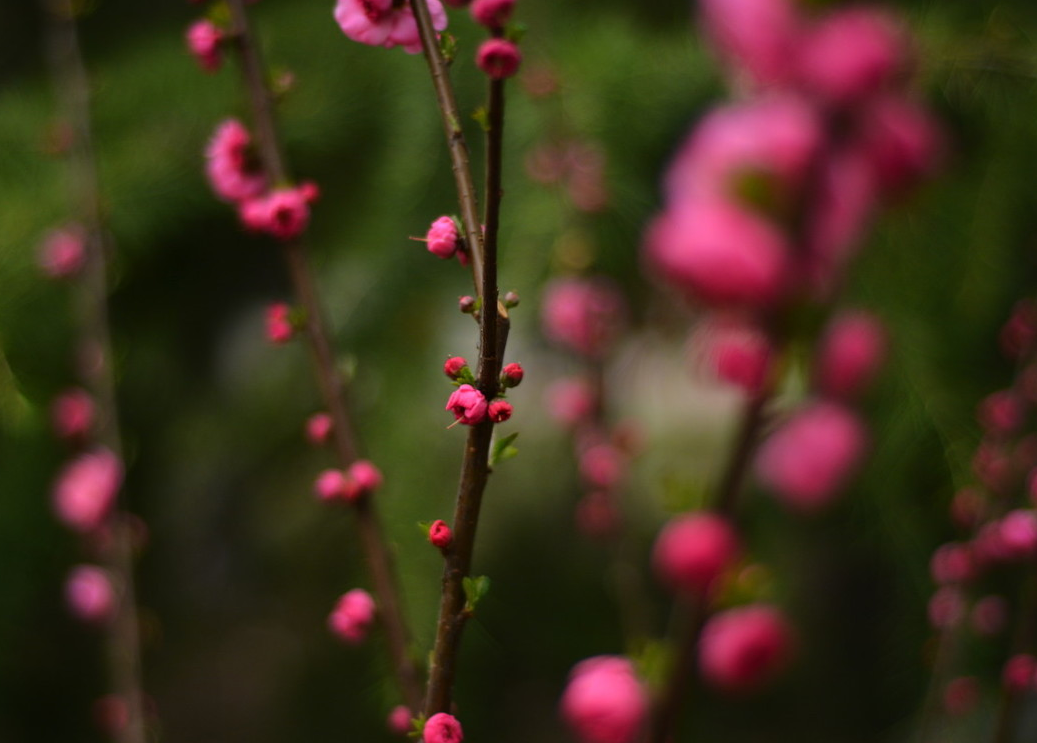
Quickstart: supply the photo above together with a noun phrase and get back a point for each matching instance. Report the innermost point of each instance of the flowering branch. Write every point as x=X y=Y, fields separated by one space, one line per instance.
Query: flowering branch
x=94 y=361
x=378 y=557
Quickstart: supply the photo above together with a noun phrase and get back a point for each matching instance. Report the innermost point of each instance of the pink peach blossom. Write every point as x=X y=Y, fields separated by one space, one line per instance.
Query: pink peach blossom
x=442 y=728
x=72 y=414
x=989 y=616
x=734 y=351
x=583 y=315
x=952 y=563
x=62 y=253
x=693 y=551
x=399 y=719
x=440 y=534
x=512 y=375
x=442 y=238
x=492 y=13
x=231 y=166
x=318 y=428
x=89 y=594
x=903 y=141
x=203 y=41
x=365 y=476
x=946 y=607
x=382 y=23
x=467 y=404
x=85 y=490
x=498 y=58
x=850 y=354
x=741 y=649
x=352 y=617
x=1002 y=413
x=1020 y=673
x=279 y=328
x=1018 y=531
x=602 y=465
x=331 y=484
x=961 y=695
x=604 y=701
x=756 y=37
x=283 y=212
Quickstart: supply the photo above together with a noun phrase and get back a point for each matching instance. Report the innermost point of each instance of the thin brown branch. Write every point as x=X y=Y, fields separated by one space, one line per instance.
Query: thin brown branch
x=376 y=552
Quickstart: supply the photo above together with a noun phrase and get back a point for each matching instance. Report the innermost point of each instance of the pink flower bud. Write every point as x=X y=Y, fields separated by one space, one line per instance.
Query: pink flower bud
x=89 y=593
x=383 y=23
x=467 y=404
x=318 y=428
x=203 y=41
x=1019 y=534
x=466 y=304
x=511 y=375
x=365 y=476
x=500 y=411
x=453 y=366
x=992 y=466
x=279 y=328
x=604 y=701
x=756 y=37
x=442 y=238
x=692 y=552
x=952 y=563
x=498 y=58
x=352 y=617
x=946 y=607
x=742 y=649
x=283 y=213
x=809 y=459
x=852 y=54
x=989 y=616
x=331 y=484
x=903 y=142
x=570 y=401
x=596 y=515
x=584 y=315
x=961 y=695
x=718 y=253
x=1002 y=413
x=850 y=354
x=734 y=351
x=442 y=728
x=72 y=414
x=602 y=465
x=62 y=253
x=440 y=535
x=492 y=13
x=398 y=721
x=86 y=488
x=231 y=166
x=1020 y=673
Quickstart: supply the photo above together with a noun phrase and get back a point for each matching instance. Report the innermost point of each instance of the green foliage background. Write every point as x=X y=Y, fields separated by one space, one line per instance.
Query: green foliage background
x=243 y=566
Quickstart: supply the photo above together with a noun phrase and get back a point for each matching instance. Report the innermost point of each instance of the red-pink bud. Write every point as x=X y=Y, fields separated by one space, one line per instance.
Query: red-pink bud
x=279 y=328
x=741 y=649
x=318 y=428
x=85 y=489
x=467 y=404
x=734 y=351
x=72 y=414
x=850 y=354
x=692 y=552
x=230 y=164
x=1002 y=413
x=442 y=728
x=1020 y=673
x=511 y=375
x=952 y=563
x=63 y=253
x=283 y=212
x=442 y=238
x=365 y=476
x=492 y=13
x=330 y=484
x=499 y=411
x=440 y=535
x=453 y=366
x=466 y=304
x=961 y=695
x=89 y=593
x=352 y=616
x=903 y=142
x=203 y=41
x=498 y=58
x=604 y=701
x=602 y=465
x=1019 y=534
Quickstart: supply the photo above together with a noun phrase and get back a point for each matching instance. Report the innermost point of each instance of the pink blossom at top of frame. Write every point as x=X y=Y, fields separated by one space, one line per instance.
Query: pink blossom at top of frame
x=318 y=428
x=492 y=13
x=735 y=351
x=62 y=253
x=850 y=354
x=851 y=54
x=570 y=401
x=902 y=140
x=442 y=238
x=775 y=137
x=86 y=488
x=352 y=616
x=718 y=253
x=72 y=414
x=89 y=593
x=232 y=174
x=1002 y=413
x=757 y=38
x=743 y=648
x=203 y=41
x=442 y=728
x=809 y=458
x=1018 y=531
x=693 y=551
x=604 y=701
x=365 y=475
x=381 y=23
x=498 y=58
x=467 y=404
x=399 y=719
x=584 y=315
x=283 y=212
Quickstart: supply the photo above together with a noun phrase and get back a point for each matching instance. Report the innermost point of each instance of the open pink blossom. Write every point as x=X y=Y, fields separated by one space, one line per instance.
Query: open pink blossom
x=203 y=41
x=693 y=551
x=442 y=728
x=353 y=615
x=499 y=411
x=583 y=315
x=718 y=253
x=383 y=23
x=498 y=58
x=467 y=404
x=809 y=458
x=850 y=354
x=63 y=252
x=231 y=166
x=742 y=649
x=72 y=414
x=86 y=488
x=89 y=594
x=604 y=701
x=734 y=351
x=283 y=212
x=758 y=38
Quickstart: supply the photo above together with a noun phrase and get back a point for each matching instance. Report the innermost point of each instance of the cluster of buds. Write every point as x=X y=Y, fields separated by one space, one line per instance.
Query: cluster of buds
x=468 y=404
x=996 y=518
x=353 y=616
x=361 y=479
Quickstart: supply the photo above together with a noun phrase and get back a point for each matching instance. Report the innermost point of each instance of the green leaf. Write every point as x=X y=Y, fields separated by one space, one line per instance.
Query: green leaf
x=448 y=47
x=474 y=590
x=482 y=116
x=502 y=449
x=515 y=31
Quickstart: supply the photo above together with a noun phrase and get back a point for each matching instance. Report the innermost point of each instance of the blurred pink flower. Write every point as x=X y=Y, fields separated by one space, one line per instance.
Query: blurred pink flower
x=850 y=354
x=86 y=488
x=743 y=648
x=467 y=404
x=72 y=414
x=498 y=58
x=442 y=728
x=233 y=171
x=758 y=38
x=584 y=315
x=693 y=551
x=735 y=351
x=203 y=41
x=63 y=252
x=352 y=616
x=89 y=593
x=442 y=238
x=604 y=701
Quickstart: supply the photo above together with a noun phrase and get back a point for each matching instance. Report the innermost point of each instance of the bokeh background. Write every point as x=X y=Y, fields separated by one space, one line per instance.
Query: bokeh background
x=243 y=566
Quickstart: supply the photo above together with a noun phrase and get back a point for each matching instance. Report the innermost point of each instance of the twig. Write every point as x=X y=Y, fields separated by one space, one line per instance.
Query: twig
x=376 y=552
